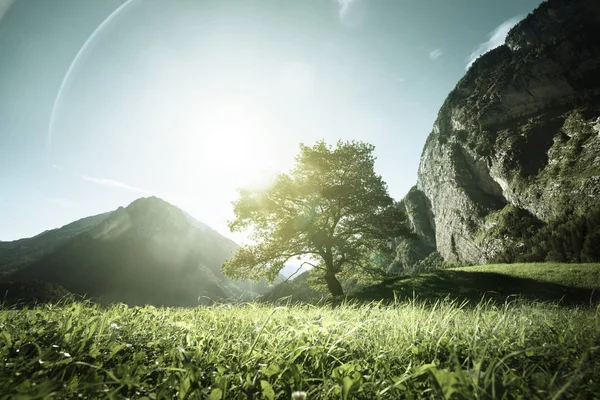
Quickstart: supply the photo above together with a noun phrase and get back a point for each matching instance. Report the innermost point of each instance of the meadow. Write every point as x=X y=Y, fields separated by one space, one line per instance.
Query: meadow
x=398 y=349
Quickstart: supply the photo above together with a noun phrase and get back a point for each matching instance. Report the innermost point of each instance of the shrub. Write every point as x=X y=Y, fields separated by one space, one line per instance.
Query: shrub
x=572 y=237
x=432 y=262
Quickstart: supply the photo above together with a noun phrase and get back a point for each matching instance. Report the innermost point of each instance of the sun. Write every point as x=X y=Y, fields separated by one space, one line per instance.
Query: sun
x=231 y=140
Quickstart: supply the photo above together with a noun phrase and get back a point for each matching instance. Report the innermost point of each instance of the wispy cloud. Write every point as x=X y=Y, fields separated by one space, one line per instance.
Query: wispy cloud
x=113 y=184
x=58 y=167
x=435 y=54
x=110 y=183
x=497 y=37
x=344 y=6
x=4 y=6
x=57 y=201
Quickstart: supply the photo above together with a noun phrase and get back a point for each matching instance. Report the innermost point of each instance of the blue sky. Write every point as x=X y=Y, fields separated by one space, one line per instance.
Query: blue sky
x=189 y=100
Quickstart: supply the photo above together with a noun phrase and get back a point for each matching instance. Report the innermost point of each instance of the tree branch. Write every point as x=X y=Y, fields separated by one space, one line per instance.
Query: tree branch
x=312 y=265
x=290 y=277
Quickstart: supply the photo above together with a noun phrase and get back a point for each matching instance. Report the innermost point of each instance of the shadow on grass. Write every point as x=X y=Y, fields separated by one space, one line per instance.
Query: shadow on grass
x=473 y=286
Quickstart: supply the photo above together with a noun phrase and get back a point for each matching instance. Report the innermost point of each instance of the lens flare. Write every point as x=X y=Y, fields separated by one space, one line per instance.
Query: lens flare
x=111 y=17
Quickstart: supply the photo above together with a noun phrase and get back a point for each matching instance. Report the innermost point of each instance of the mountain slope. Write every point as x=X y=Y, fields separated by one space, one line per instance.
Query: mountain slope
x=515 y=149
x=147 y=253
x=19 y=253
x=566 y=284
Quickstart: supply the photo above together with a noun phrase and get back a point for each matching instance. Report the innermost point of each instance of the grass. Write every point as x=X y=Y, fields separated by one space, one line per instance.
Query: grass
x=407 y=350
x=569 y=284
x=584 y=276
x=428 y=348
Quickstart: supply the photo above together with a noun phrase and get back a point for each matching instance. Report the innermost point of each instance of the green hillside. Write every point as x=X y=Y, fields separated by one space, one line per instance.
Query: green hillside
x=566 y=283
x=585 y=276
x=20 y=253
x=149 y=252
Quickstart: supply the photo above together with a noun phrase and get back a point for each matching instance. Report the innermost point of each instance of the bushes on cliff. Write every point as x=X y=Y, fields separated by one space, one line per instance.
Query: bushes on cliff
x=433 y=261
x=572 y=237
x=513 y=222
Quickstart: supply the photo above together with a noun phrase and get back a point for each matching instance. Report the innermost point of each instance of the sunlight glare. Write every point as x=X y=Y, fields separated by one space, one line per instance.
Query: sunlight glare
x=230 y=140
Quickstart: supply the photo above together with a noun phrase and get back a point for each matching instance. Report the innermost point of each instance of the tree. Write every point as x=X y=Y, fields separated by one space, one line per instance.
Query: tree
x=331 y=209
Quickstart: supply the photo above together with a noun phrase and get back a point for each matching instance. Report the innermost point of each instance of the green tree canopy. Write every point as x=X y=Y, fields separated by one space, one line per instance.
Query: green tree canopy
x=332 y=209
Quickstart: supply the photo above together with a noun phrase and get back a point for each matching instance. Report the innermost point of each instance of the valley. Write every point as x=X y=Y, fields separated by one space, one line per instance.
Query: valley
x=481 y=280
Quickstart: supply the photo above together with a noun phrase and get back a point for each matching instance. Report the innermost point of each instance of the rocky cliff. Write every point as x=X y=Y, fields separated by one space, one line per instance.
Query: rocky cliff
x=518 y=138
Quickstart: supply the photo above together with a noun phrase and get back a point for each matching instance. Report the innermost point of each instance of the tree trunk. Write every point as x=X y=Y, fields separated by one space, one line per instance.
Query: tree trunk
x=334 y=286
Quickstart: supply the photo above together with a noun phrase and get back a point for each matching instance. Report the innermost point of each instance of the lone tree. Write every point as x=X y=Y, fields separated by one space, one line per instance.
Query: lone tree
x=331 y=209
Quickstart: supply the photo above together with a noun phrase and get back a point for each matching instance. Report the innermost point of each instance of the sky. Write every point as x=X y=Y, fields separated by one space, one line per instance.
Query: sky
x=103 y=102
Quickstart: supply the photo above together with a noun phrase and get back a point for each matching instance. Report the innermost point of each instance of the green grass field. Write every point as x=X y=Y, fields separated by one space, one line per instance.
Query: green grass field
x=585 y=276
x=419 y=348
x=569 y=284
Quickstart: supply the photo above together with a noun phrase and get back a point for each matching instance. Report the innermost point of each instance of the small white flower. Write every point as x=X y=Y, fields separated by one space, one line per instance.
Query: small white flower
x=114 y=326
x=299 y=395
x=66 y=355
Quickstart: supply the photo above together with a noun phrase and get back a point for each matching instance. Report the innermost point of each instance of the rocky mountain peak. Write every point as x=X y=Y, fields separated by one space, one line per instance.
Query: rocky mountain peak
x=517 y=133
x=150 y=216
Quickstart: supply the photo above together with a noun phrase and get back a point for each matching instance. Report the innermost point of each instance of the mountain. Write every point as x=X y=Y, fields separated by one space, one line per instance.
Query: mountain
x=20 y=294
x=511 y=169
x=297 y=290
x=149 y=252
x=19 y=253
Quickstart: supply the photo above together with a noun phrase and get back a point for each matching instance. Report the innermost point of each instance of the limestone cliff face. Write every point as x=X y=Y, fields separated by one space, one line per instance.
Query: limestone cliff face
x=409 y=251
x=521 y=129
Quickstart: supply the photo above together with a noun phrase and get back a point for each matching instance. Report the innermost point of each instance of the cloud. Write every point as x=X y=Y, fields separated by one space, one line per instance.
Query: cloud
x=114 y=184
x=344 y=6
x=352 y=13
x=4 y=6
x=435 y=54
x=57 y=201
x=58 y=167
x=497 y=37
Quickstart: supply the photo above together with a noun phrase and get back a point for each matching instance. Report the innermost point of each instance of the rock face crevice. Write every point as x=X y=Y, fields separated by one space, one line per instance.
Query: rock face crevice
x=521 y=130
x=422 y=222
x=420 y=217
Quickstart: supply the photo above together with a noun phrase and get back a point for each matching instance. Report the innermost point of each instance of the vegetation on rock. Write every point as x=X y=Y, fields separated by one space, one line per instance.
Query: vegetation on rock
x=519 y=130
x=572 y=237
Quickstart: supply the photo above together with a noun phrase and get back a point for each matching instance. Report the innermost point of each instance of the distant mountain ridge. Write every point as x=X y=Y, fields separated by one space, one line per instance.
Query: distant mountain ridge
x=19 y=253
x=149 y=252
